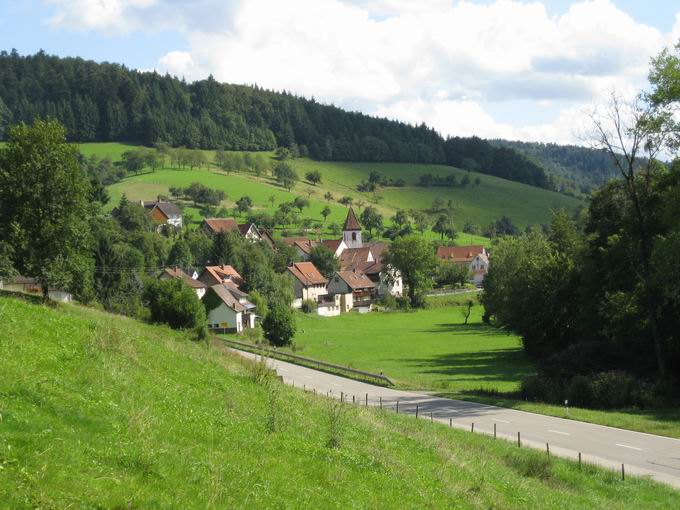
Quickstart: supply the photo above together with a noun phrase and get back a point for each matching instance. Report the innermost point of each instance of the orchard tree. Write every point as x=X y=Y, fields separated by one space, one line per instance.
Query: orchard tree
x=300 y=203
x=325 y=212
x=371 y=219
x=314 y=177
x=285 y=175
x=45 y=207
x=328 y=196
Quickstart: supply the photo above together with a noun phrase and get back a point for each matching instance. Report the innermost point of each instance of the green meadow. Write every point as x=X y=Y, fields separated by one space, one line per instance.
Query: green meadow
x=480 y=205
x=101 y=411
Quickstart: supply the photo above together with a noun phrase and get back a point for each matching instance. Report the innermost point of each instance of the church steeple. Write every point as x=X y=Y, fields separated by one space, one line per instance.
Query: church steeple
x=351 y=232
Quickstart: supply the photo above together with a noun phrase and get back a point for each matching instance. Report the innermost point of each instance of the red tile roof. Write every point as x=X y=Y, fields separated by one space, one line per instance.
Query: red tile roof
x=307 y=274
x=332 y=244
x=351 y=222
x=176 y=272
x=354 y=255
x=216 y=225
x=356 y=279
x=303 y=243
x=221 y=273
x=459 y=253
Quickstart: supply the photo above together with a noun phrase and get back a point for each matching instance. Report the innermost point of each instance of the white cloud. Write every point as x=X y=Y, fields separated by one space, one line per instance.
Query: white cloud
x=436 y=61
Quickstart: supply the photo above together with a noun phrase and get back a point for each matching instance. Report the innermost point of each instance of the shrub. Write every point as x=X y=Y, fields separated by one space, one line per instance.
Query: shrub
x=308 y=306
x=279 y=324
x=580 y=392
x=174 y=303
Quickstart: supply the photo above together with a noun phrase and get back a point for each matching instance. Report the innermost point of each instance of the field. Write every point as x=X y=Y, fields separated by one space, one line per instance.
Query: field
x=432 y=350
x=99 y=411
x=480 y=205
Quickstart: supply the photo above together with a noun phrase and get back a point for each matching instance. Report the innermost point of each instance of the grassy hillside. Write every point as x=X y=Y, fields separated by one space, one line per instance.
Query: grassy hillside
x=102 y=411
x=481 y=204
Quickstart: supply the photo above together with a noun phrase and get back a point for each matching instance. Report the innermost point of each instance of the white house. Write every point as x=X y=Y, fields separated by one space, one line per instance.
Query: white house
x=228 y=309
x=475 y=257
x=175 y=272
x=308 y=282
x=32 y=286
x=355 y=288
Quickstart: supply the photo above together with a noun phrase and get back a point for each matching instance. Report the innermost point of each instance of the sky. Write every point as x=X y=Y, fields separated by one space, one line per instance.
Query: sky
x=514 y=69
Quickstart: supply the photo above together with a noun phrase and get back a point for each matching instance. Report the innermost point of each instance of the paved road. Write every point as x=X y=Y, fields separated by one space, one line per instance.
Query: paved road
x=642 y=454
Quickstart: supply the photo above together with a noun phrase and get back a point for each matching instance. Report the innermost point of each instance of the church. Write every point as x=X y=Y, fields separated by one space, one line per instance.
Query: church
x=355 y=255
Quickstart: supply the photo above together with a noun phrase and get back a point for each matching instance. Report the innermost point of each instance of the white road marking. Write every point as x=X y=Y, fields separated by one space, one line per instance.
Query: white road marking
x=338 y=385
x=559 y=432
x=629 y=447
x=499 y=420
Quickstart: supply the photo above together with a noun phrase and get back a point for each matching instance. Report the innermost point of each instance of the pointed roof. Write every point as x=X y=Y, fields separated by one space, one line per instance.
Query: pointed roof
x=351 y=223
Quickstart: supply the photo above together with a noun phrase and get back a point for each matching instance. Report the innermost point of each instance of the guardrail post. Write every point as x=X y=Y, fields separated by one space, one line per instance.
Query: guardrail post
x=366 y=399
x=451 y=422
x=547 y=449
x=380 y=402
x=579 y=460
x=342 y=396
x=353 y=401
x=623 y=473
x=494 y=431
x=519 y=441
x=397 y=407
x=416 y=410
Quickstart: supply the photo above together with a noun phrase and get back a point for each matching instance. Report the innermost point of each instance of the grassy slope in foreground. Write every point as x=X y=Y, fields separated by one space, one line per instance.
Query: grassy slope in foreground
x=102 y=411
x=432 y=350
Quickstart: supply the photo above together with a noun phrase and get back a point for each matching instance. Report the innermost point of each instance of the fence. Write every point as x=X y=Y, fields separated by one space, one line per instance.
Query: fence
x=414 y=410
x=301 y=360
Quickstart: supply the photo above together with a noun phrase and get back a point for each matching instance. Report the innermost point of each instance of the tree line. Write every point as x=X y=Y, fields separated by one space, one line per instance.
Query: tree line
x=595 y=298
x=108 y=102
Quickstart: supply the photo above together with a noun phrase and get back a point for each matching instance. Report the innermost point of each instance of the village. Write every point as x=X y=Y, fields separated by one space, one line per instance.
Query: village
x=362 y=278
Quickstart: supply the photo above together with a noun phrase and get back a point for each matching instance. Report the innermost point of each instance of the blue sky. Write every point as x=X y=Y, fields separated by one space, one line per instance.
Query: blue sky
x=508 y=68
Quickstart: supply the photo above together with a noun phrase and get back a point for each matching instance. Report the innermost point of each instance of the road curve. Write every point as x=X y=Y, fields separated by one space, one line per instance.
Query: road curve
x=643 y=454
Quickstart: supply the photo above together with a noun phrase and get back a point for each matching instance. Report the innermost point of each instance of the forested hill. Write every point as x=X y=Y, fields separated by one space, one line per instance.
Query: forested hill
x=108 y=102
x=574 y=170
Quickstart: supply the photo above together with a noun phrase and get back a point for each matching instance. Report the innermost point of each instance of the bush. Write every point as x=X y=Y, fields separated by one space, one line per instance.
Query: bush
x=279 y=324
x=174 y=303
x=308 y=306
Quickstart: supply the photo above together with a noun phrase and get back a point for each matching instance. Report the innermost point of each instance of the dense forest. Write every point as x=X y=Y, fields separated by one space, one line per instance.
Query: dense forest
x=108 y=102
x=573 y=170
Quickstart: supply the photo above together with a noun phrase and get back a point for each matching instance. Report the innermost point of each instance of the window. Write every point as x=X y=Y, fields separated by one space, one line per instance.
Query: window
x=354 y=236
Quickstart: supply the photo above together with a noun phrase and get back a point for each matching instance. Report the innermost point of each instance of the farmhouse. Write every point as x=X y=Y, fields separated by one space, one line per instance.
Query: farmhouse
x=302 y=245
x=212 y=275
x=175 y=272
x=308 y=282
x=164 y=213
x=32 y=286
x=250 y=231
x=475 y=257
x=337 y=246
x=355 y=288
x=228 y=309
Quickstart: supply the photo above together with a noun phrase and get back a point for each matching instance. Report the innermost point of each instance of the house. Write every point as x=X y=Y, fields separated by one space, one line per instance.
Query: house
x=330 y=306
x=28 y=285
x=249 y=231
x=164 y=213
x=337 y=246
x=212 y=275
x=308 y=282
x=356 y=289
x=302 y=245
x=228 y=309
x=475 y=257
x=175 y=272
